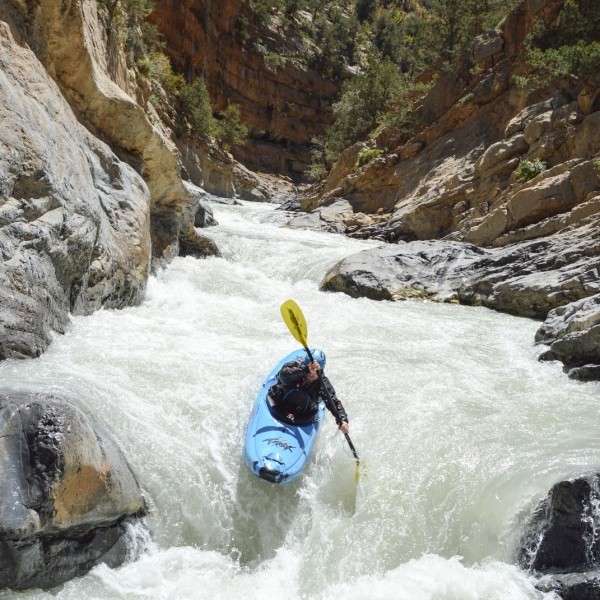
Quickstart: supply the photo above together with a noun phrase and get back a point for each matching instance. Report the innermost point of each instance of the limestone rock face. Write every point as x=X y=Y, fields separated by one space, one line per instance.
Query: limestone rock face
x=218 y=173
x=74 y=219
x=457 y=177
x=68 y=496
x=284 y=107
x=72 y=45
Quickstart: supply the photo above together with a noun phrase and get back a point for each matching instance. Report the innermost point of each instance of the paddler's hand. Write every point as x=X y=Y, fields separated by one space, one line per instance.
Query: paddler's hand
x=313 y=371
x=344 y=427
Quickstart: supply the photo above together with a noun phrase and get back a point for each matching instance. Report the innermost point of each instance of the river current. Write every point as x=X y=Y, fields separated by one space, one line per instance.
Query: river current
x=461 y=429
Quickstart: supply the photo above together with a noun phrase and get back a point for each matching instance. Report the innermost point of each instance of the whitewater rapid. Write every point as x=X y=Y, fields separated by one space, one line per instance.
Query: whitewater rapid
x=461 y=428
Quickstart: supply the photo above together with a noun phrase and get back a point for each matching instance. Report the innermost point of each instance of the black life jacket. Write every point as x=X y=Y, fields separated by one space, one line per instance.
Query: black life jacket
x=296 y=405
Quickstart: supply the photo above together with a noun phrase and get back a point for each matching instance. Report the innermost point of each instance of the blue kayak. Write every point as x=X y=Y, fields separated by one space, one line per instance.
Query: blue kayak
x=276 y=451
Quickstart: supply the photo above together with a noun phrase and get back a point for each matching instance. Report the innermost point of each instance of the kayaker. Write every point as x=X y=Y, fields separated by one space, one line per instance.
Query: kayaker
x=296 y=396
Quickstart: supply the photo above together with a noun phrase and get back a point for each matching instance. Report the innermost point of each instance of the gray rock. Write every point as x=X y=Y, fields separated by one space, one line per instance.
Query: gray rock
x=204 y=216
x=560 y=535
x=74 y=219
x=573 y=334
x=572 y=586
x=67 y=497
x=526 y=279
x=560 y=544
x=486 y=46
x=325 y=218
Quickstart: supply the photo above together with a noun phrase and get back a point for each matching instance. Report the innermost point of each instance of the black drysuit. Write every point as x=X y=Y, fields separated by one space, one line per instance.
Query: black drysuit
x=295 y=403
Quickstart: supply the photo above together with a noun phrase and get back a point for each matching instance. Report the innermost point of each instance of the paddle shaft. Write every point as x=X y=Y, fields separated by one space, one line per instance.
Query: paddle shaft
x=332 y=404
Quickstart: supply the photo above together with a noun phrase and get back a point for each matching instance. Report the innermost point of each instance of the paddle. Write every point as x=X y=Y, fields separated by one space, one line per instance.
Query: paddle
x=294 y=319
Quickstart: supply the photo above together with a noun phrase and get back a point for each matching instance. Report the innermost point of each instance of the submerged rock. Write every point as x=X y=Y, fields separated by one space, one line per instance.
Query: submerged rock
x=68 y=497
x=573 y=586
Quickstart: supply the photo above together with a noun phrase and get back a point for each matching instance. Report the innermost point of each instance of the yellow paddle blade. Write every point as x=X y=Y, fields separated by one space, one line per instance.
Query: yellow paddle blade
x=361 y=469
x=294 y=319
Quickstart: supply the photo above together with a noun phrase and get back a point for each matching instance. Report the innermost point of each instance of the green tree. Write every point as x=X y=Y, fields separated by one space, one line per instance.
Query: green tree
x=195 y=102
x=570 y=48
x=229 y=129
x=364 y=98
x=365 y=9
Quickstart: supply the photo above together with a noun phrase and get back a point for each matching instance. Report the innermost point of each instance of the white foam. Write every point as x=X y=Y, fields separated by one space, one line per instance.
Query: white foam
x=460 y=427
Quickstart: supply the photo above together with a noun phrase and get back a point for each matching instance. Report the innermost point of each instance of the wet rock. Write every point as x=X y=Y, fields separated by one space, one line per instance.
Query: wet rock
x=560 y=536
x=573 y=334
x=560 y=544
x=330 y=217
x=291 y=204
x=573 y=586
x=68 y=499
x=199 y=246
x=191 y=242
x=204 y=216
x=527 y=279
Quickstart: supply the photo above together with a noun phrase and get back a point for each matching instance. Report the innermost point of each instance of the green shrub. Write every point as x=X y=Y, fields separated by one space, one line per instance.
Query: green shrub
x=195 y=102
x=364 y=98
x=316 y=171
x=160 y=69
x=528 y=169
x=230 y=130
x=596 y=163
x=366 y=156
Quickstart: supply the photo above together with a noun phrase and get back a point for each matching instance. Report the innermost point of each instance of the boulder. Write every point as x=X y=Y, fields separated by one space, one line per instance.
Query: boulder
x=560 y=544
x=572 y=586
x=573 y=334
x=68 y=497
x=527 y=279
x=331 y=217
x=487 y=47
x=559 y=537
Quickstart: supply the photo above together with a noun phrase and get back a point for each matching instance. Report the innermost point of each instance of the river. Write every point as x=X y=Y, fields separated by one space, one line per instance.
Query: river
x=461 y=429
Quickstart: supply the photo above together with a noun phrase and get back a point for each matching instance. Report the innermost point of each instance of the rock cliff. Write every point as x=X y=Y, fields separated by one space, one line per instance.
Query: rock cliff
x=284 y=107
x=91 y=189
x=74 y=219
x=521 y=243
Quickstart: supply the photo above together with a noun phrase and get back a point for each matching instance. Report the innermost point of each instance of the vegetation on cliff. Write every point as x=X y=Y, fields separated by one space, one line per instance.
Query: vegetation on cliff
x=570 y=48
x=126 y=24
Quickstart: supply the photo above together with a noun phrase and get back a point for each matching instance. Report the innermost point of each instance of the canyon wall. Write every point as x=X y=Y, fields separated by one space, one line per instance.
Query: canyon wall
x=465 y=222
x=283 y=106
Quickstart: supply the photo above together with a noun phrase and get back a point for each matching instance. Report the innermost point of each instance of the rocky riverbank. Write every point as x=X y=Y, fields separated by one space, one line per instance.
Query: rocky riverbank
x=495 y=202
